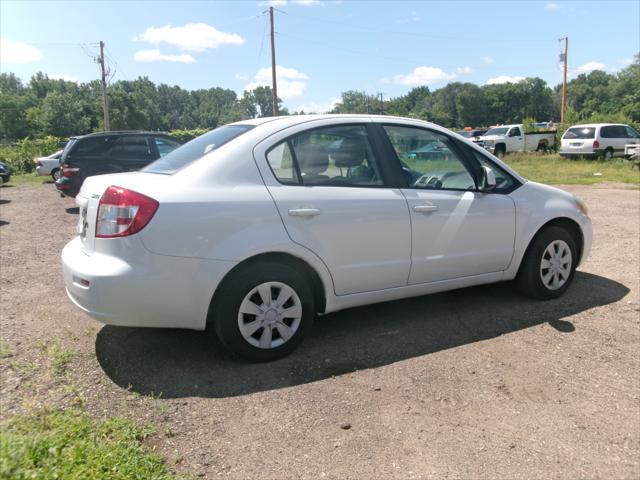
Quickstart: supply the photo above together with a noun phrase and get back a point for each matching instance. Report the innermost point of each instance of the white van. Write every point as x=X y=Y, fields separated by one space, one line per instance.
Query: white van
x=606 y=140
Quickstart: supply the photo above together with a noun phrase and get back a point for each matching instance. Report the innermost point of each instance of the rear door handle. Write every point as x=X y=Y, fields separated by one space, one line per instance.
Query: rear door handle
x=425 y=208
x=304 y=212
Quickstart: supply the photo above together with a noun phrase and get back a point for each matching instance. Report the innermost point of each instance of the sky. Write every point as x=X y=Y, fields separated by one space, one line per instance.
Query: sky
x=322 y=47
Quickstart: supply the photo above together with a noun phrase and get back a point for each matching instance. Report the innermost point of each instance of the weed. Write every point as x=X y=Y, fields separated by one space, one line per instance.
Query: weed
x=57 y=357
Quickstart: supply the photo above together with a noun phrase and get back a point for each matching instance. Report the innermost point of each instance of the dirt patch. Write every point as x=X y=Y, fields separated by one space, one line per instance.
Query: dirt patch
x=476 y=383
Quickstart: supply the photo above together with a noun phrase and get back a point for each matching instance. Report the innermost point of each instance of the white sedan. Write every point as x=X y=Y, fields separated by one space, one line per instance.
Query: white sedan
x=252 y=229
x=49 y=165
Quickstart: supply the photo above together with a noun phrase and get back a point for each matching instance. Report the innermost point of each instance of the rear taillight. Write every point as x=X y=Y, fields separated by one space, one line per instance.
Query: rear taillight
x=596 y=144
x=123 y=212
x=68 y=171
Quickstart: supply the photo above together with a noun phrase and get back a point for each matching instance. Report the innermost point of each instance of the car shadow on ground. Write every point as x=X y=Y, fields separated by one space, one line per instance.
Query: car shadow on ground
x=73 y=210
x=182 y=363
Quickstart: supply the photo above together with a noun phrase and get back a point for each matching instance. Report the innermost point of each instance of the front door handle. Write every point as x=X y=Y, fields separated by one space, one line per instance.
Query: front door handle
x=425 y=208
x=304 y=212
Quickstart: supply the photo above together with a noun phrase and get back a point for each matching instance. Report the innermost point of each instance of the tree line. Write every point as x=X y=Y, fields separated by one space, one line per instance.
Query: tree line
x=47 y=107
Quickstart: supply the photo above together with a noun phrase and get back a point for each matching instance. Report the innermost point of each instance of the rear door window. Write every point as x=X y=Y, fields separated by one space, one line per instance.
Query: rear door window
x=131 y=148
x=339 y=156
x=608 y=132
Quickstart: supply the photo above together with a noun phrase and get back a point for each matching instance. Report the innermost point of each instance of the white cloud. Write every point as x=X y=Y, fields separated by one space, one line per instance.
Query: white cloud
x=291 y=82
x=192 y=37
x=422 y=76
x=18 y=52
x=505 y=79
x=464 y=70
x=64 y=76
x=156 y=56
x=590 y=66
x=273 y=3
x=315 y=107
x=552 y=6
x=307 y=3
x=240 y=76
x=487 y=60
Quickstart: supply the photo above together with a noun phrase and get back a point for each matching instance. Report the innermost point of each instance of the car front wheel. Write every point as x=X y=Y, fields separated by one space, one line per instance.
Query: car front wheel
x=549 y=265
x=263 y=312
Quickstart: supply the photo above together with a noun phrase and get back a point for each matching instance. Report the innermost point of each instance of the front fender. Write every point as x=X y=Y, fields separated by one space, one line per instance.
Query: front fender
x=537 y=205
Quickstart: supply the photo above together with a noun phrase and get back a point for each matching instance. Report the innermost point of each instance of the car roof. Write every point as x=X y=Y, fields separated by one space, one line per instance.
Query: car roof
x=121 y=133
x=599 y=125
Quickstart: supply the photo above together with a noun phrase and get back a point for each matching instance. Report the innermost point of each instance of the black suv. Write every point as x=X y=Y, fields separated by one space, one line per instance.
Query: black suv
x=109 y=152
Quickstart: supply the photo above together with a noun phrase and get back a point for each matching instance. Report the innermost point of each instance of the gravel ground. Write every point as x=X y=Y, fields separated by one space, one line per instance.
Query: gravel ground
x=475 y=383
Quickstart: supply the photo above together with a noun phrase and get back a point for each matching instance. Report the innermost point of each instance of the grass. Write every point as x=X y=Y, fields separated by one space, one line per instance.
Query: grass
x=30 y=178
x=5 y=350
x=553 y=169
x=57 y=357
x=49 y=444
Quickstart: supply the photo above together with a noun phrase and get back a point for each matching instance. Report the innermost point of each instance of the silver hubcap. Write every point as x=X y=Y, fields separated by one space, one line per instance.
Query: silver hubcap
x=269 y=315
x=555 y=267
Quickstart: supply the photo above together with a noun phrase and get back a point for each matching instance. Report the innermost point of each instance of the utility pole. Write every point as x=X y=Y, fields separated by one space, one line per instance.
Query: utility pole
x=274 y=88
x=563 y=57
x=105 y=99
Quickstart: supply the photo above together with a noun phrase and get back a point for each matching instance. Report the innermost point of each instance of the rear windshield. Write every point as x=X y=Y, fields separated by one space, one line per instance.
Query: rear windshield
x=195 y=149
x=580 y=132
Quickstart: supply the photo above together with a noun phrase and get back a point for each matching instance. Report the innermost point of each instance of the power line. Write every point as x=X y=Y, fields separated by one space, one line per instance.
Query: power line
x=417 y=34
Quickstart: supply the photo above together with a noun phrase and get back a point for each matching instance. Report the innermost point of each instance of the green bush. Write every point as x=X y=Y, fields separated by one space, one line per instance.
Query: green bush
x=20 y=156
x=184 y=136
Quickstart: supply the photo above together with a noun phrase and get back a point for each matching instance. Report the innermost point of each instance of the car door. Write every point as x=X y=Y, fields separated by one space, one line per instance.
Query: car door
x=516 y=140
x=130 y=153
x=333 y=196
x=457 y=231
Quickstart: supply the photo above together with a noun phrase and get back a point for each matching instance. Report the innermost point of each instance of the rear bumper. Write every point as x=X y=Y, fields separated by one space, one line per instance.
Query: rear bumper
x=43 y=171
x=150 y=291
x=590 y=154
x=68 y=186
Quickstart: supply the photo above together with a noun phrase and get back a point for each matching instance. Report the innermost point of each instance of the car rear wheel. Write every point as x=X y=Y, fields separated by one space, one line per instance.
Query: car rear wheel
x=608 y=154
x=56 y=174
x=262 y=312
x=549 y=264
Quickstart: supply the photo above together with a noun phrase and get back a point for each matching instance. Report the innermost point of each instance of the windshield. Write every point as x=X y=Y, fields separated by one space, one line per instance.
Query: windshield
x=497 y=131
x=580 y=132
x=196 y=148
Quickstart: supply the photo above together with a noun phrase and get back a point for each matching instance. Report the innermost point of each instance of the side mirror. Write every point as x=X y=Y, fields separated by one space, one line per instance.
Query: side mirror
x=487 y=181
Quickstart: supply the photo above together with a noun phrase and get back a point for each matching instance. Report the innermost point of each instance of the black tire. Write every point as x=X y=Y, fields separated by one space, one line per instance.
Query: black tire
x=542 y=148
x=223 y=317
x=500 y=152
x=529 y=279
x=55 y=174
x=607 y=154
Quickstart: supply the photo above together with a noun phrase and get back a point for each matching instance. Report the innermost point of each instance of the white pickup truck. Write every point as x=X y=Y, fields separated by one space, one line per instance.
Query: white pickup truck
x=511 y=138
